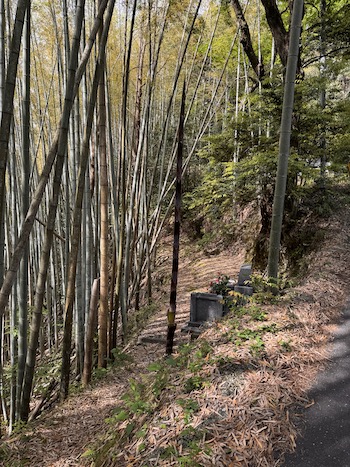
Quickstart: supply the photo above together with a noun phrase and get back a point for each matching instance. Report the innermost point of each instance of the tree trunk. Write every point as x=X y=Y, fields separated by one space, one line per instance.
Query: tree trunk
x=277 y=28
x=91 y=326
x=284 y=143
x=103 y=311
x=7 y=109
x=246 y=41
x=323 y=7
x=23 y=295
x=45 y=256
x=176 y=247
x=120 y=298
x=77 y=215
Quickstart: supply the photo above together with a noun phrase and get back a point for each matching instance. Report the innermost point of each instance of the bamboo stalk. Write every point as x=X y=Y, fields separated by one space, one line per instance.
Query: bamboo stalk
x=176 y=247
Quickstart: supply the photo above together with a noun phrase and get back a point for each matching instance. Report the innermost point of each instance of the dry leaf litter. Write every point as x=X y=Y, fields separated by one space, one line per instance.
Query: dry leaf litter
x=245 y=414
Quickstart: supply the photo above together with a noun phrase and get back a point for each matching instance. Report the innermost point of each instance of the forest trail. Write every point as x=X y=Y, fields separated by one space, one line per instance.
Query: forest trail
x=196 y=272
x=60 y=437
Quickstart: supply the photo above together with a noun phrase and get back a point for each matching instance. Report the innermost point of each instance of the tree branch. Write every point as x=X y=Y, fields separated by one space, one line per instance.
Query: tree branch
x=246 y=41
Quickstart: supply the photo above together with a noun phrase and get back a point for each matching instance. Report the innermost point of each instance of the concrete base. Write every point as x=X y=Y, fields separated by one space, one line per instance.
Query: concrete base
x=244 y=290
x=205 y=307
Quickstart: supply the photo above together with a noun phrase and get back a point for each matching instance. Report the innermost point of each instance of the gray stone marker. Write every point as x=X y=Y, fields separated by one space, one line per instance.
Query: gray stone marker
x=205 y=307
x=244 y=276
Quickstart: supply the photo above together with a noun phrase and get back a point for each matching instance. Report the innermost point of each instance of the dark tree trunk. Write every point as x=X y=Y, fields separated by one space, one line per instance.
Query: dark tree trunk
x=261 y=245
x=176 y=247
x=246 y=41
x=275 y=22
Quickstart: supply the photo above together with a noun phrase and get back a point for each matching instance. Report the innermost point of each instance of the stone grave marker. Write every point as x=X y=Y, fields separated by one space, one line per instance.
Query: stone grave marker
x=244 y=276
x=205 y=307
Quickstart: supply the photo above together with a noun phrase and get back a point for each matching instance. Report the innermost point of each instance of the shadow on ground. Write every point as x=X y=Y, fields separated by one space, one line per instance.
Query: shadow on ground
x=325 y=435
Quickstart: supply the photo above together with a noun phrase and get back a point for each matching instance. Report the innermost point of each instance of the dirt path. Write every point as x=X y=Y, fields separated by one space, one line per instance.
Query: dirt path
x=60 y=437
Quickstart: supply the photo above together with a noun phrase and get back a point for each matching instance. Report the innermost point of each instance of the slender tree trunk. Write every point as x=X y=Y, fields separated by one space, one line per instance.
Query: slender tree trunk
x=12 y=226
x=103 y=311
x=7 y=108
x=12 y=229
x=176 y=247
x=23 y=296
x=77 y=215
x=91 y=326
x=119 y=299
x=323 y=7
x=66 y=172
x=134 y=208
x=277 y=28
x=71 y=91
x=284 y=143
x=2 y=225
x=45 y=256
x=2 y=89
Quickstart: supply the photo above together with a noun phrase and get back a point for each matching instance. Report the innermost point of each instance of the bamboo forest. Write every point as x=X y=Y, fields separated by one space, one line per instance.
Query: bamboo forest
x=146 y=145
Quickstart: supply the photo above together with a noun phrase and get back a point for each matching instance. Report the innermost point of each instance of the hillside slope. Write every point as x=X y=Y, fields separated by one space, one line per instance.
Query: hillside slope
x=75 y=425
x=226 y=400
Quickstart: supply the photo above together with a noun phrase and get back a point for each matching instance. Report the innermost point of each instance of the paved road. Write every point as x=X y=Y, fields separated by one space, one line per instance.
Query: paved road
x=325 y=440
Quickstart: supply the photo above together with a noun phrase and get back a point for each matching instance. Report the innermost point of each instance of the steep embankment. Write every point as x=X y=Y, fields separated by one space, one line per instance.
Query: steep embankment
x=60 y=437
x=226 y=400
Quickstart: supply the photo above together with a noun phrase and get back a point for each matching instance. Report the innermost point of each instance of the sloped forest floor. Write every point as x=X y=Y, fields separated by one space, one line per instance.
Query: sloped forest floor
x=230 y=398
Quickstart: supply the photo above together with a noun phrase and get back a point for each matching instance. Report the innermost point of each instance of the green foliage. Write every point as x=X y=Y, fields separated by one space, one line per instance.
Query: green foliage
x=252 y=335
x=18 y=427
x=191 y=356
x=257 y=346
x=99 y=373
x=286 y=345
x=121 y=358
x=194 y=383
x=88 y=454
x=190 y=407
x=267 y=290
x=256 y=313
x=219 y=285
x=137 y=320
x=168 y=452
x=120 y=415
x=48 y=369
x=136 y=399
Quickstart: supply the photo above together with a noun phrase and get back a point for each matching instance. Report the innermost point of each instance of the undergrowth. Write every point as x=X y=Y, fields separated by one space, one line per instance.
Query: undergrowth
x=182 y=379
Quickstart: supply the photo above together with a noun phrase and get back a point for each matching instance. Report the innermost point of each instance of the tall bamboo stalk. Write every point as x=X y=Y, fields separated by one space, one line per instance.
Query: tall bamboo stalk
x=104 y=257
x=176 y=246
x=119 y=301
x=2 y=226
x=23 y=284
x=284 y=142
x=90 y=331
x=9 y=91
x=322 y=39
x=45 y=256
x=77 y=215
